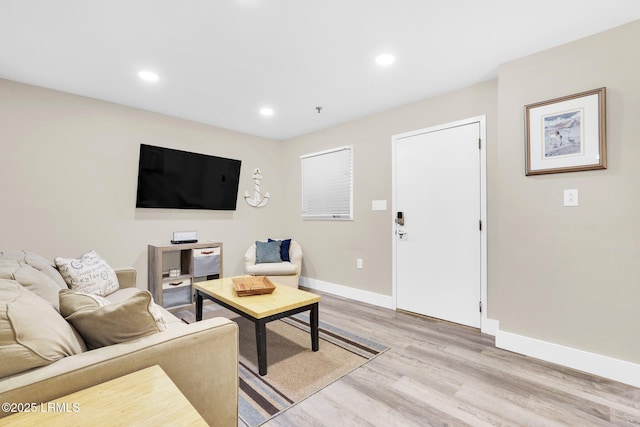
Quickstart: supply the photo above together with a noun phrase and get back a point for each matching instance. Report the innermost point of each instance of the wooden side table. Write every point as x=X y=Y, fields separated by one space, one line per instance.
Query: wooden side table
x=143 y=398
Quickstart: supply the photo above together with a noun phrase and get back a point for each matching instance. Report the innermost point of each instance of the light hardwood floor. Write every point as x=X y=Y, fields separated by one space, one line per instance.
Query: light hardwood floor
x=441 y=374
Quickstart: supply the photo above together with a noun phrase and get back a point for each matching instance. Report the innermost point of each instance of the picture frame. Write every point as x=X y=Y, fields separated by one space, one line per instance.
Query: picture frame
x=566 y=134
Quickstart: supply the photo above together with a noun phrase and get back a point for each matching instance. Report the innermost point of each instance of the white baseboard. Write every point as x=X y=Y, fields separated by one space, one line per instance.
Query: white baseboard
x=373 y=298
x=597 y=364
x=490 y=326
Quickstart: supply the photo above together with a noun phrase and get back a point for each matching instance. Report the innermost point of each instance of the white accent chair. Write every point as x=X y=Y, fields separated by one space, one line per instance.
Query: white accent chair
x=283 y=273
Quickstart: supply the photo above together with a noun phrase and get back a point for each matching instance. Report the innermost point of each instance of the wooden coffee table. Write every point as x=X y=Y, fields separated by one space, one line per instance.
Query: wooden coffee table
x=261 y=309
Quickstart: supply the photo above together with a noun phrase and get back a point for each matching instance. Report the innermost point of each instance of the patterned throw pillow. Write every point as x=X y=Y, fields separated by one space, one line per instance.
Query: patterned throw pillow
x=89 y=274
x=101 y=323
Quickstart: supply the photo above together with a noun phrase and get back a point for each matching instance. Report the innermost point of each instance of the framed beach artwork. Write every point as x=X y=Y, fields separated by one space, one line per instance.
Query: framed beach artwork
x=566 y=134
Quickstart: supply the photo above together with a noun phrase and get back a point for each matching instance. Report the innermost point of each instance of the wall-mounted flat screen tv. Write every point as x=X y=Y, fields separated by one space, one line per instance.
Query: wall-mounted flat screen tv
x=176 y=179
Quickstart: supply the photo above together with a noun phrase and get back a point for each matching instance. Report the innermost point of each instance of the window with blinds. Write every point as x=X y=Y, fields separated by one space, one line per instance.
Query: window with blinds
x=327 y=184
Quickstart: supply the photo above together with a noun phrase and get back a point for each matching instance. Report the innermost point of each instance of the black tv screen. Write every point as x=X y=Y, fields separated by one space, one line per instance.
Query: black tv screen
x=178 y=179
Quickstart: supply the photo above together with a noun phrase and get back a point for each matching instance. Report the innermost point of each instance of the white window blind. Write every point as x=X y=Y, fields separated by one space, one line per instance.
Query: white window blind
x=327 y=184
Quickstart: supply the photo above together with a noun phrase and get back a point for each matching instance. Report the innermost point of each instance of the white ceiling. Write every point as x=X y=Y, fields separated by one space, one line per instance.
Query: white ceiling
x=220 y=61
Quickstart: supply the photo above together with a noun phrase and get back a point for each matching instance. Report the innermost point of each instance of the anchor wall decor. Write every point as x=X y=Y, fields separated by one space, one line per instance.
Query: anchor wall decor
x=257 y=200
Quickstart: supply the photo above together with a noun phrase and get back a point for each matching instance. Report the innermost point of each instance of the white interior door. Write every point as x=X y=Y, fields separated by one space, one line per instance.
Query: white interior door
x=438 y=249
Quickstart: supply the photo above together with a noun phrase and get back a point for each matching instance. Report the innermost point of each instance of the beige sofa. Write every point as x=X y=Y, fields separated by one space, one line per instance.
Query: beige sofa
x=200 y=358
x=284 y=273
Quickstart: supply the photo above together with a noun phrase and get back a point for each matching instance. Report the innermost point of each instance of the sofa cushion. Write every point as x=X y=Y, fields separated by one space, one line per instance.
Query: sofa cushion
x=272 y=269
x=102 y=325
x=32 y=279
x=267 y=252
x=38 y=262
x=32 y=333
x=89 y=274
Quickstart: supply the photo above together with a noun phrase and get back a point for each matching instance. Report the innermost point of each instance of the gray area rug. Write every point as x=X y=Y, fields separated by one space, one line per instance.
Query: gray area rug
x=295 y=372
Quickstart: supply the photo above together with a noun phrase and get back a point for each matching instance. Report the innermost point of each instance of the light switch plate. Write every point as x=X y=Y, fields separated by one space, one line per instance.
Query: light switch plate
x=571 y=197
x=378 y=205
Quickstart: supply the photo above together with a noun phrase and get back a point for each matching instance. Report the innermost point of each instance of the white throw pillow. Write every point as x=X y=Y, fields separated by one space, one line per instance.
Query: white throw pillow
x=89 y=274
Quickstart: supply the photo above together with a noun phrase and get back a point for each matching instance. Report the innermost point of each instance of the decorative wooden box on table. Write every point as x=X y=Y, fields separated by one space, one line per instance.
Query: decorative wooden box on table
x=252 y=285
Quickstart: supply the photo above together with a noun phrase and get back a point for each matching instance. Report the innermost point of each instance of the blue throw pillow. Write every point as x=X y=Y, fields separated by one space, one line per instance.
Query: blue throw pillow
x=267 y=252
x=284 y=248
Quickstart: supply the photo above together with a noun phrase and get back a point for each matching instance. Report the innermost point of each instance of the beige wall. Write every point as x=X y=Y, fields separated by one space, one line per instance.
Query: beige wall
x=563 y=275
x=332 y=247
x=69 y=171
x=570 y=276
x=68 y=177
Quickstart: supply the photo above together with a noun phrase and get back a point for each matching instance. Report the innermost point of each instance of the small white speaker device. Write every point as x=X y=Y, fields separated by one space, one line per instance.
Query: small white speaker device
x=184 y=237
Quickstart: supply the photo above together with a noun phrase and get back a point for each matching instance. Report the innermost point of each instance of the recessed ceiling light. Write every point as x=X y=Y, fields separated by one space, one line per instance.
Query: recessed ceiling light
x=266 y=111
x=148 y=76
x=385 y=59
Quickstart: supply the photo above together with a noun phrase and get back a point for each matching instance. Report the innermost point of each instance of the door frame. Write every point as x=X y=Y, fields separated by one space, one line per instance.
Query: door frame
x=481 y=120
